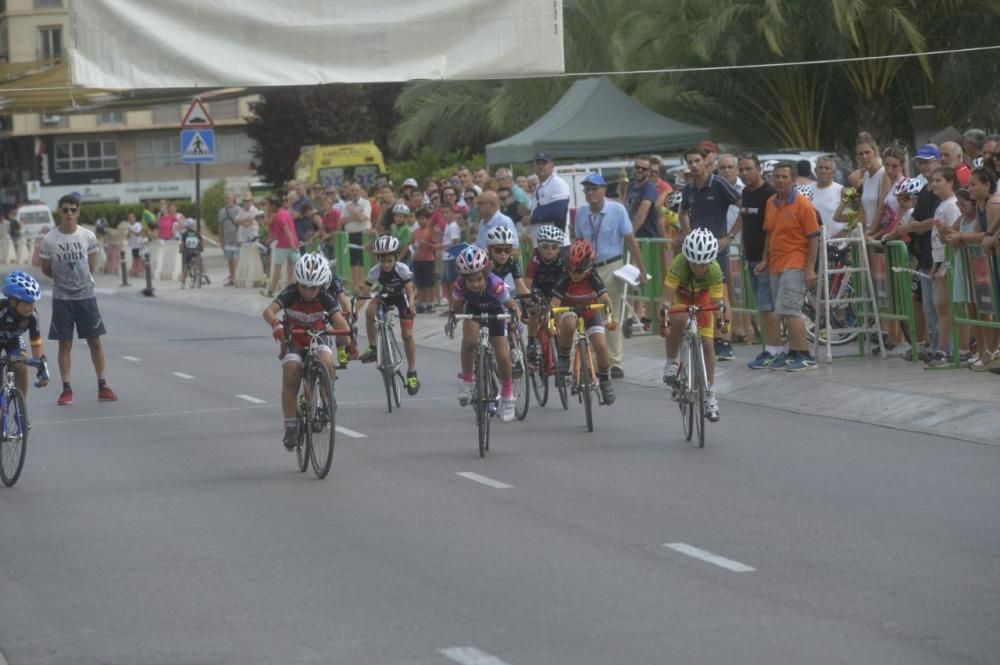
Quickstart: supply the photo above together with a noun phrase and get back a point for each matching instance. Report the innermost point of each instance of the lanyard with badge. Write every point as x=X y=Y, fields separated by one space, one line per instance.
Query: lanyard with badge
x=596 y=229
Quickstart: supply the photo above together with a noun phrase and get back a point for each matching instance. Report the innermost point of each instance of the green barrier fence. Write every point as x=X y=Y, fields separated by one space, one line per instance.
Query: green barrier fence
x=342 y=256
x=976 y=273
x=891 y=278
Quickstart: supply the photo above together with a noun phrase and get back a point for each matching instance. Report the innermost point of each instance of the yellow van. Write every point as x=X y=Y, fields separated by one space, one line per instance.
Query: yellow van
x=331 y=164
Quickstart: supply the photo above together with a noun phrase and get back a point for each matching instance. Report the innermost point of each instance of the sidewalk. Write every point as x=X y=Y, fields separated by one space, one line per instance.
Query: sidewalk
x=893 y=393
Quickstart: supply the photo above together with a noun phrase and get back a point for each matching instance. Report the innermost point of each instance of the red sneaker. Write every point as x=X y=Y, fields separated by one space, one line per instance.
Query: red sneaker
x=65 y=398
x=105 y=394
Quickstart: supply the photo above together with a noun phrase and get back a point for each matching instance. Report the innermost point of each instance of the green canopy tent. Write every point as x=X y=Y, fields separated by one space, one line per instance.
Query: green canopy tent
x=595 y=119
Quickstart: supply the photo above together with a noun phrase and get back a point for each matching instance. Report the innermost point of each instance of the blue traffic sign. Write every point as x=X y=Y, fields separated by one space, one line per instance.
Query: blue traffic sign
x=197 y=146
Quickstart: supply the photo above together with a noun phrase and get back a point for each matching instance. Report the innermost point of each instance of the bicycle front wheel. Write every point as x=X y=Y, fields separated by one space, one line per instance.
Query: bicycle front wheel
x=560 y=379
x=302 y=445
x=324 y=411
x=13 y=438
x=698 y=376
x=387 y=367
x=586 y=384
x=539 y=384
x=485 y=395
x=519 y=366
x=684 y=400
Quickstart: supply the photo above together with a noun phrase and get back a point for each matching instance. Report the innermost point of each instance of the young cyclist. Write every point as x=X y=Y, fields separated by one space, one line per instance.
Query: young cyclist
x=397 y=289
x=306 y=304
x=18 y=316
x=191 y=248
x=546 y=269
x=583 y=286
x=694 y=278
x=500 y=245
x=479 y=291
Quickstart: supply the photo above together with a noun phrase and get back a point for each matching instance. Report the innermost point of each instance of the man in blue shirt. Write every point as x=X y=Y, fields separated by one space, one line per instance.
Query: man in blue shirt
x=488 y=205
x=551 y=199
x=605 y=223
x=641 y=201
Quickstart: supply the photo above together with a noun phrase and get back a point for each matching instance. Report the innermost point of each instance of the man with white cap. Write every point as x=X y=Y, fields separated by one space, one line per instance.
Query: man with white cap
x=606 y=225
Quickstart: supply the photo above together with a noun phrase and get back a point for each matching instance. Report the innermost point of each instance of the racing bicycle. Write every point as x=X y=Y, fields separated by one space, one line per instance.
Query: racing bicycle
x=316 y=405
x=485 y=383
x=388 y=356
x=14 y=426
x=582 y=380
x=692 y=378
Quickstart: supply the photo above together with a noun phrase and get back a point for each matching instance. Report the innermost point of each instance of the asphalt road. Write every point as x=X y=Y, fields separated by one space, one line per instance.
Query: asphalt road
x=172 y=527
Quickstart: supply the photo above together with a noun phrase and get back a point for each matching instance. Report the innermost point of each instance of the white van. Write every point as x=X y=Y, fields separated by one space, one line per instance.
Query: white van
x=33 y=218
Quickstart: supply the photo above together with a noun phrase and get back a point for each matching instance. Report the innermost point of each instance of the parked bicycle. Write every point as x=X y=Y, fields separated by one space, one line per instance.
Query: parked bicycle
x=485 y=382
x=317 y=405
x=582 y=380
x=692 y=379
x=14 y=425
x=842 y=314
x=388 y=356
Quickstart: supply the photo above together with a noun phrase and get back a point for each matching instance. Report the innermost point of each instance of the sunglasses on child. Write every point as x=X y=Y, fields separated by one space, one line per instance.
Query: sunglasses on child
x=549 y=245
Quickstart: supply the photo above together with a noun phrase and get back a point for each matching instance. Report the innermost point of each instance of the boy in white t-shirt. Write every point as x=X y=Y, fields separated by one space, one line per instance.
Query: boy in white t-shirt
x=946 y=219
x=452 y=237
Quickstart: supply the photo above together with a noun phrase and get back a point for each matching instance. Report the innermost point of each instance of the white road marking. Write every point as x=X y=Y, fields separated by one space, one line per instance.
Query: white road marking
x=183 y=375
x=252 y=399
x=471 y=656
x=483 y=480
x=351 y=433
x=3 y=661
x=708 y=557
x=131 y=358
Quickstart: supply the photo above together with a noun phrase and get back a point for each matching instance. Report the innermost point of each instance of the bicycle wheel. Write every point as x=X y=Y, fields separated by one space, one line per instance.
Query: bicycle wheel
x=683 y=398
x=521 y=390
x=538 y=372
x=386 y=367
x=586 y=384
x=321 y=448
x=484 y=395
x=397 y=387
x=841 y=316
x=560 y=380
x=698 y=408
x=302 y=447
x=14 y=438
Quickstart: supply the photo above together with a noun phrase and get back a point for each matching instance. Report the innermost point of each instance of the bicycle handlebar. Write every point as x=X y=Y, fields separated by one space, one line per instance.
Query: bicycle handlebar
x=685 y=309
x=312 y=332
x=482 y=318
x=576 y=309
x=37 y=363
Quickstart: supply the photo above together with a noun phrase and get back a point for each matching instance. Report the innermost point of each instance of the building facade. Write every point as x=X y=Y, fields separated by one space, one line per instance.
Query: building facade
x=106 y=156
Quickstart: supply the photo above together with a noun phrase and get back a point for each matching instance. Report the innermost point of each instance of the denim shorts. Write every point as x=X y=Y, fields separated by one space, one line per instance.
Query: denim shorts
x=761 y=285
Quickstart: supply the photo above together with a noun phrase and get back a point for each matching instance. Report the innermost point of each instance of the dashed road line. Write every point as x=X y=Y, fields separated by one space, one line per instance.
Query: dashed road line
x=252 y=399
x=131 y=359
x=183 y=375
x=471 y=656
x=483 y=480
x=708 y=557
x=351 y=433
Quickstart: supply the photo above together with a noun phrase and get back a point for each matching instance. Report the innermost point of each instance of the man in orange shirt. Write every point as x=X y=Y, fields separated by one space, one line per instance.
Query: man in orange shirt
x=790 y=248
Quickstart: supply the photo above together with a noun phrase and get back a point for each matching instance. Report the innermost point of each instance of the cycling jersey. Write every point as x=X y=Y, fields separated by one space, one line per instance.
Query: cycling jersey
x=393 y=283
x=512 y=267
x=307 y=314
x=336 y=286
x=191 y=241
x=546 y=275
x=585 y=292
x=681 y=278
x=493 y=297
x=13 y=326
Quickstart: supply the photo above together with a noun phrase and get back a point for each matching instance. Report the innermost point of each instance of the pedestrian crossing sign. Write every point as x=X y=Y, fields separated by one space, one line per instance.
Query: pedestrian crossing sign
x=197 y=146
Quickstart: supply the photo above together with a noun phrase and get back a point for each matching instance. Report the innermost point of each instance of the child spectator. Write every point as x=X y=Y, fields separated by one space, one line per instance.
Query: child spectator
x=451 y=238
x=425 y=245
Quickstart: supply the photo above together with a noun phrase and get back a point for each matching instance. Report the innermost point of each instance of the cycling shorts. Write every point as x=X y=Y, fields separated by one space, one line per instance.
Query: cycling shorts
x=593 y=320
x=706 y=320
x=402 y=308
x=295 y=353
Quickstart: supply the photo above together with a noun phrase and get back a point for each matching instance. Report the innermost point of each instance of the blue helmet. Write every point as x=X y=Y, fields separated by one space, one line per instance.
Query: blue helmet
x=22 y=286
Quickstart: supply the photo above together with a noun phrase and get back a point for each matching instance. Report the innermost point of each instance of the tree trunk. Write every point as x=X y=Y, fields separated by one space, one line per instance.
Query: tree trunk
x=873 y=116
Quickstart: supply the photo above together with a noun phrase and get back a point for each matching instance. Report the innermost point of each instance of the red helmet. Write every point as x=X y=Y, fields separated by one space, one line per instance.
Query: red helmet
x=581 y=256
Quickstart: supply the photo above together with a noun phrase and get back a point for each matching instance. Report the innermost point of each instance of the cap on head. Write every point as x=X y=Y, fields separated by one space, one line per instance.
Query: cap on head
x=928 y=151
x=543 y=157
x=410 y=182
x=595 y=179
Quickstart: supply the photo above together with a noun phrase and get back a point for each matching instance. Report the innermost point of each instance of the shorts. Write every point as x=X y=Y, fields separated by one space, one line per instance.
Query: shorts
x=295 y=353
x=449 y=272
x=231 y=252
x=136 y=253
x=281 y=256
x=83 y=314
x=423 y=274
x=498 y=327
x=761 y=285
x=189 y=257
x=788 y=292
x=357 y=255
x=706 y=320
x=593 y=319
x=402 y=308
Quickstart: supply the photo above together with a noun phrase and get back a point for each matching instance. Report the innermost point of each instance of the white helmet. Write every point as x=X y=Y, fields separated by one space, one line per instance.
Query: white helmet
x=189 y=223
x=675 y=199
x=913 y=186
x=977 y=163
x=401 y=209
x=385 y=245
x=550 y=233
x=471 y=260
x=312 y=270
x=499 y=235
x=700 y=247
x=805 y=190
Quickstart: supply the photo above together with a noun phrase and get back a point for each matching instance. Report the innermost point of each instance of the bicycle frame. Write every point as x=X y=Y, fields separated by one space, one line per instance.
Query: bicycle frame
x=485 y=345
x=581 y=342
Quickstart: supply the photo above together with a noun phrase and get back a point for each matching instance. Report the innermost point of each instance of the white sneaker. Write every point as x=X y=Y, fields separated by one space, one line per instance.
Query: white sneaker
x=711 y=406
x=464 y=393
x=898 y=351
x=670 y=371
x=507 y=405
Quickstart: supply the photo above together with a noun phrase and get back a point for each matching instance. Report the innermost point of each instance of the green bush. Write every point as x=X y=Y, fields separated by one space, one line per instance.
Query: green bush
x=211 y=203
x=118 y=212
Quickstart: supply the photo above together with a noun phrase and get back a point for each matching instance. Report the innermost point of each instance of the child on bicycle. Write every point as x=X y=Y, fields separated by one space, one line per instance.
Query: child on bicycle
x=191 y=248
x=694 y=278
x=346 y=347
x=18 y=316
x=307 y=306
x=479 y=291
x=546 y=269
x=396 y=290
x=500 y=245
x=582 y=286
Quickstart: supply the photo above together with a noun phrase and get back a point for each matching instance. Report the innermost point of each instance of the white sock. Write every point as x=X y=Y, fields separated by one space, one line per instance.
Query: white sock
x=773 y=350
x=670 y=361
